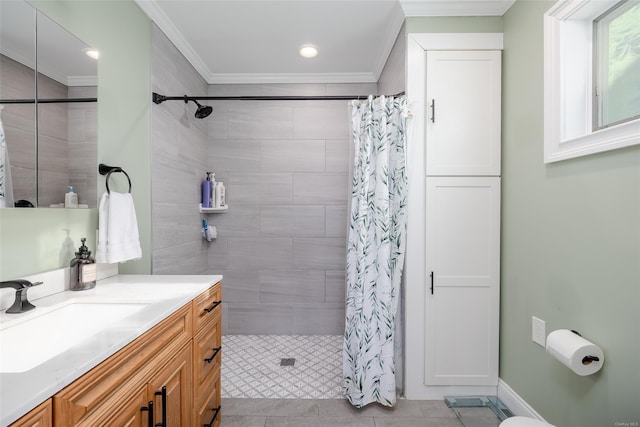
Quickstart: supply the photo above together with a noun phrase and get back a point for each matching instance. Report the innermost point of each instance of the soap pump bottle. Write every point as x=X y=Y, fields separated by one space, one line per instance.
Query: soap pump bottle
x=70 y=198
x=83 y=269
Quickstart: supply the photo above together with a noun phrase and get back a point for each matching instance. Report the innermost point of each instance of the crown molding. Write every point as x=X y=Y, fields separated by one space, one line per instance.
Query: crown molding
x=455 y=8
x=393 y=30
x=249 y=78
x=157 y=15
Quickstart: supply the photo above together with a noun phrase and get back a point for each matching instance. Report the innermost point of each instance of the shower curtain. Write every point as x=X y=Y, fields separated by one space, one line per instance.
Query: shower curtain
x=375 y=248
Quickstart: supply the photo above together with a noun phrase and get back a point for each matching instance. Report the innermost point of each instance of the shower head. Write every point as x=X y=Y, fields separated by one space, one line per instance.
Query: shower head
x=202 y=111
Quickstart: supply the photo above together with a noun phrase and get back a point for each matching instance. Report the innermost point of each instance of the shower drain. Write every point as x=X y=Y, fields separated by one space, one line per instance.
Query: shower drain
x=287 y=362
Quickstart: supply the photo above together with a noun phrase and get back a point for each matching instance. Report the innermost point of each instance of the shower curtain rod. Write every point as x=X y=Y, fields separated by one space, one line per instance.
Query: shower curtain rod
x=46 y=101
x=157 y=98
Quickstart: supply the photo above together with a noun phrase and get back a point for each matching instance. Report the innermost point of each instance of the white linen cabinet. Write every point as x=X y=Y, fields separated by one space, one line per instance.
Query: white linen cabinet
x=462 y=241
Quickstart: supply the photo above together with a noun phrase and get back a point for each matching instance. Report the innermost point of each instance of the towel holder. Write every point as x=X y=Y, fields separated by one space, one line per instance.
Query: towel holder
x=108 y=170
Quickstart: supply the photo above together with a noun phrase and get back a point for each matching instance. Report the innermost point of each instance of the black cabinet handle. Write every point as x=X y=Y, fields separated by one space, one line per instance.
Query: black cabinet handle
x=163 y=393
x=149 y=408
x=433 y=111
x=213 y=306
x=215 y=353
x=215 y=415
x=431 y=282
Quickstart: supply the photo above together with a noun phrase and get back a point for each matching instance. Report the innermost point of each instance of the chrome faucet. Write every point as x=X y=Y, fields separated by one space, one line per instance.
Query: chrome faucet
x=21 y=304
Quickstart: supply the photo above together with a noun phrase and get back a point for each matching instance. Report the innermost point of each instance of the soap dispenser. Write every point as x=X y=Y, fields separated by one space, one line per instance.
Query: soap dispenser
x=70 y=198
x=83 y=269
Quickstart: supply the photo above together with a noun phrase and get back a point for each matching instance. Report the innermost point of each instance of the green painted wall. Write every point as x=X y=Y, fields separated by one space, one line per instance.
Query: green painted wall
x=122 y=33
x=454 y=24
x=570 y=251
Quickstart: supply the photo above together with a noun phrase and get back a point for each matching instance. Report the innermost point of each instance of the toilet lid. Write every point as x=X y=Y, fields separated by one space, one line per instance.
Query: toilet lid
x=523 y=422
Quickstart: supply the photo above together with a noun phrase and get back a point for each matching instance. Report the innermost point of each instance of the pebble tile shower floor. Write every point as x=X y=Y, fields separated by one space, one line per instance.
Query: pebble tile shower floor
x=251 y=366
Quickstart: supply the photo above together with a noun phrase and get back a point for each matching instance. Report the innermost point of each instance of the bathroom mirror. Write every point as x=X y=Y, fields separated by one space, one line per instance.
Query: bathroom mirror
x=51 y=143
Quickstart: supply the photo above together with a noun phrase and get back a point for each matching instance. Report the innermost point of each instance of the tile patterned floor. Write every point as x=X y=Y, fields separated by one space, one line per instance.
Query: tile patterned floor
x=251 y=366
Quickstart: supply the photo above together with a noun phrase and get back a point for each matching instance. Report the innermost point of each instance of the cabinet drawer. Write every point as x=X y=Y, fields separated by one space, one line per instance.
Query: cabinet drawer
x=40 y=416
x=207 y=356
x=207 y=306
x=123 y=370
x=208 y=412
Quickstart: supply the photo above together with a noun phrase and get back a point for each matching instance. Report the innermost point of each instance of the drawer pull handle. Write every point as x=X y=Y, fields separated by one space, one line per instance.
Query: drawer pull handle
x=150 y=409
x=213 y=306
x=215 y=353
x=163 y=393
x=215 y=415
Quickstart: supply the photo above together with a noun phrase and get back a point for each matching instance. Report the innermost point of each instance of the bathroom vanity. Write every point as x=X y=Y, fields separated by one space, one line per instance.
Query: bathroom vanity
x=155 y=361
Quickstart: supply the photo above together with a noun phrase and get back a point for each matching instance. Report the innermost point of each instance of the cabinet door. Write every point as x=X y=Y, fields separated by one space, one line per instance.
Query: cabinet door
x=123 y=408
x=462 y=262
x=40 y=416
x=463 y=113
x=175 y=379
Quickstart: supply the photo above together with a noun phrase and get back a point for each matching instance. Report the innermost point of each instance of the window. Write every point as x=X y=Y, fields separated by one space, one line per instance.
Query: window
x=576 y=121
x=617 y=64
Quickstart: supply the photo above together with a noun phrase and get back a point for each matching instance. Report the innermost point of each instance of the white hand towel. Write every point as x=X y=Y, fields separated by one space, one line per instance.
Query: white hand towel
x=118 y=238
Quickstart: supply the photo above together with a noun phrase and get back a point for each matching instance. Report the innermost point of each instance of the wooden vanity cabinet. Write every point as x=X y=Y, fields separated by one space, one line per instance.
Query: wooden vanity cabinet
x=40 y=416
x=169 y=358
x=207 y=356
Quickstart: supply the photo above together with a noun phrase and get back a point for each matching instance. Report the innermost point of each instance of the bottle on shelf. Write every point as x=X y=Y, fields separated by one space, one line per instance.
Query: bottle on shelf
x=70 y=198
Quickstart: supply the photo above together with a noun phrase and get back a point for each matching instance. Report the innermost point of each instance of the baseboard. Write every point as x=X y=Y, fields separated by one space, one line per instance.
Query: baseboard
x=515 y=403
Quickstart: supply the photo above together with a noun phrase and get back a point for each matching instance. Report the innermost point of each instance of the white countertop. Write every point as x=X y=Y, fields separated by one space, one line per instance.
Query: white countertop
x=21 y=392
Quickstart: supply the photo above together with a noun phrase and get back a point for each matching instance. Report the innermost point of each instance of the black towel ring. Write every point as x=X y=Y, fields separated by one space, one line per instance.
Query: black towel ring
x=108 y=170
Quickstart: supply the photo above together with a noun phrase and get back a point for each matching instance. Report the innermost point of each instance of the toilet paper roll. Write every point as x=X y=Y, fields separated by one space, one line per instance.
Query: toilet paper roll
x=574 y=352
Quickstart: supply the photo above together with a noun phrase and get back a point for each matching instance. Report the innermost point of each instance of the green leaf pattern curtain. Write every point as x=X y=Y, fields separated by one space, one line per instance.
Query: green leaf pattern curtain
x=375 y=248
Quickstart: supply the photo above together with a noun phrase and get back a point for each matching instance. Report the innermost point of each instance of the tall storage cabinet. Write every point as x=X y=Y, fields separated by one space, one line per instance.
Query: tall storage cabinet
x=462 y=241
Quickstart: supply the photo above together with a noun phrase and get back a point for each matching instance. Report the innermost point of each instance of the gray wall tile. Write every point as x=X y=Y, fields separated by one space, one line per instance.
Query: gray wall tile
x=259 y=188
x=234 y=155
x=318 y=319
x=292 y=156
x=292 y=286
x=258 y=319
x=292 y=221
x=260 y=254
x=320 y=188
x=337 y=155
x=239 y=286
x=335 y=286
x=325 y=253
x=336 y=221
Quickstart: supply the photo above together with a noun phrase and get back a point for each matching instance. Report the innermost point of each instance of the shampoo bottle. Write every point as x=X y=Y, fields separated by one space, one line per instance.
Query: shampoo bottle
x=206 y=191
x=83 y=269
x=222 y=195
x=70 y=198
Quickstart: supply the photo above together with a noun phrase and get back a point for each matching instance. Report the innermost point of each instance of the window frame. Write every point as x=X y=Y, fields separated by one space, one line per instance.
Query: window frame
x=568 y=85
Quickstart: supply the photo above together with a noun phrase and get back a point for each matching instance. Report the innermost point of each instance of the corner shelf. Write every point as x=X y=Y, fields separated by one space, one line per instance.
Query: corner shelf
x=222 y=209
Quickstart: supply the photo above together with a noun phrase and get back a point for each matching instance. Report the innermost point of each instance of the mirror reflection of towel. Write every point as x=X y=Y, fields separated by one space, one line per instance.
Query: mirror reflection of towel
x=118 y=239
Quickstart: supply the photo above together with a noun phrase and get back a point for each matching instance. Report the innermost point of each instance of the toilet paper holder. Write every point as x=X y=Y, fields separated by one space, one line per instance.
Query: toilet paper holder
x=587 y=359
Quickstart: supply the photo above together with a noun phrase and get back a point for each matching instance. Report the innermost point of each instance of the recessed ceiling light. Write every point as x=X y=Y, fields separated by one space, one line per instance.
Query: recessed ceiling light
x=308 y=51
x=91 y=53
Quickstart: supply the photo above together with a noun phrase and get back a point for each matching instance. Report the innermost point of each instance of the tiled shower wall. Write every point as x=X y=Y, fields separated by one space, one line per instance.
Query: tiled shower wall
x=178 y=161
x=281 y=246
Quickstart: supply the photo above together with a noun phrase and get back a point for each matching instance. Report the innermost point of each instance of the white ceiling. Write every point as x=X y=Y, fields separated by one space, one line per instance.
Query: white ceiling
x=257 y=41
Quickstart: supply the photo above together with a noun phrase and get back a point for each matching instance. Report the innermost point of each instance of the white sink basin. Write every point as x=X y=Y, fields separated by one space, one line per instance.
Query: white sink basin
x=26 y=344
